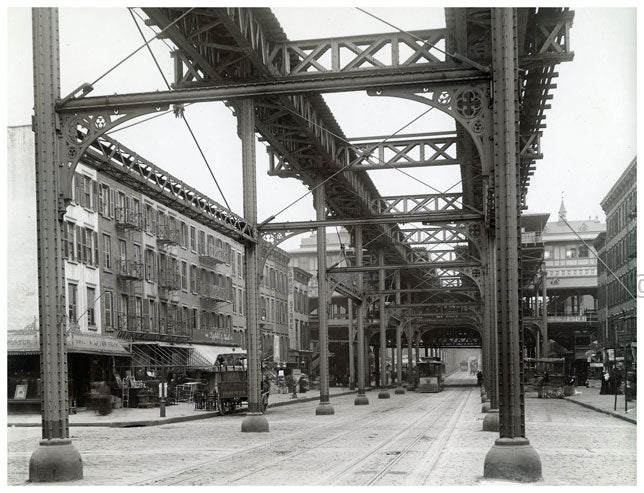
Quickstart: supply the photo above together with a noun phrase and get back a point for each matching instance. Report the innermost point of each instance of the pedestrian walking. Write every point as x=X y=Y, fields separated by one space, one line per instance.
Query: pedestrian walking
x=479 y=378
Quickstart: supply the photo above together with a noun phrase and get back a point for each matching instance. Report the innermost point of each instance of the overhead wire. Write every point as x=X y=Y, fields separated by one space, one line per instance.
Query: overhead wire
x=181 y=114
x=147 y=42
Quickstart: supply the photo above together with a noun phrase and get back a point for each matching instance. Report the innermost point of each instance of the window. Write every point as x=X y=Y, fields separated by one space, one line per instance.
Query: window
x=107 y=251
x=193 y=278
x=136 y=208
x=87 y=200
x=184 y=234
x=184 y=276
x=154 y=316
x=583 y=251
x=149 y=219
x=194 y=318
x=239 y=264
x=137 y=253
x=104 y=200
x=108 y=318
x=202 y=242
x=149 y=264
x=95 y=247
x=122 y=250
x=193 y=244
x=91 y=299
x=72 y=300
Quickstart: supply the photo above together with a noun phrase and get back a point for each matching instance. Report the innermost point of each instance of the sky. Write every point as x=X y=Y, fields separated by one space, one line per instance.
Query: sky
x=589 y=140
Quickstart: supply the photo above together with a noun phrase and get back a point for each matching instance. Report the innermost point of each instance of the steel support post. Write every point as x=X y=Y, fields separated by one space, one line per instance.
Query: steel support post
x=512 y=457
x=361 y=398
x=55 y=459
x=352 y=371
x=384 y=393
x=491 y=420
x=399 y=386
x=544 y=316
x=324 y=407
x=254 y=421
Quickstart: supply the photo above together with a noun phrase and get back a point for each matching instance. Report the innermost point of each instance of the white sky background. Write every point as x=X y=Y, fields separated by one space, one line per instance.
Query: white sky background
x=589 y=140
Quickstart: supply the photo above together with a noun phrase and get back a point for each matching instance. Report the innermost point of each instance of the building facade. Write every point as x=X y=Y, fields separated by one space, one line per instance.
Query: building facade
x=273 y=305
x=153 y=287
x=617 y=310
x=298 y=317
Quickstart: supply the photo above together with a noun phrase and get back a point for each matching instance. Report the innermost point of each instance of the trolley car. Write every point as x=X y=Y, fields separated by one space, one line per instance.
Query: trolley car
x=430 y=375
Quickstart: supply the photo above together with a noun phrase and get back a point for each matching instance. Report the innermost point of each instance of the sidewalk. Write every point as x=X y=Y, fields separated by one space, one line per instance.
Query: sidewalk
x=183 y=411
x=590 y=397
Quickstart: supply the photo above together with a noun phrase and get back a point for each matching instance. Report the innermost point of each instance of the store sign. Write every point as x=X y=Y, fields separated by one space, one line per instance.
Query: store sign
x=23 y=341
x=94 y=343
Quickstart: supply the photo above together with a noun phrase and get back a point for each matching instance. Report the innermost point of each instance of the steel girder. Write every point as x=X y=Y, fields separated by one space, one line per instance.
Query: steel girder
x=303 y=130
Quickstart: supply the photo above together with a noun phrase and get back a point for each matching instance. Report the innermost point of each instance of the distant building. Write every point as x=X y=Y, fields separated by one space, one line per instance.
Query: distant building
x=617 y=310
x=273 y=298
x=298 y=317
x=571 y=266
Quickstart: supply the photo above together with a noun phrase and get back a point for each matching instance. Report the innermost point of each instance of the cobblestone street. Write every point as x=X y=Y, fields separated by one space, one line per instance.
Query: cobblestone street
x=411 y=439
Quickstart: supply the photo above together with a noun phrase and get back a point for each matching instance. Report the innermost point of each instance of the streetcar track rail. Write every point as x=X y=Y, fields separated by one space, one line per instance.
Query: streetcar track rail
x=170 y=478
x=397 y=457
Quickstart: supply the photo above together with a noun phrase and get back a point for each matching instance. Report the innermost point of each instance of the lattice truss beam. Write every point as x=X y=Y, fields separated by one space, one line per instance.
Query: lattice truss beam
x=452 y=337
x=299 y=127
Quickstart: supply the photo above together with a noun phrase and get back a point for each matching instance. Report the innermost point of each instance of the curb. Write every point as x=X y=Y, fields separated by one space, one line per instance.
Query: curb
x=598 y=409
x=309 y=399
x=176 y=419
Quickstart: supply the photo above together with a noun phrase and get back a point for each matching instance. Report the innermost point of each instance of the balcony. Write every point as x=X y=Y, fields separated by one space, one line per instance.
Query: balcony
x=531 y=238
x=213 y=255
x=169 y=281
x=213 y=292
x=130 y=270
x=130 y=323
x=127 y=218
x=167 y=235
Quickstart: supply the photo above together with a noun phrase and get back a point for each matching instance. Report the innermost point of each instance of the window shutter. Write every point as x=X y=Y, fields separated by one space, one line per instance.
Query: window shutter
x=78 y=184
x=95 y=234
x=112 y=194
x=95 y=196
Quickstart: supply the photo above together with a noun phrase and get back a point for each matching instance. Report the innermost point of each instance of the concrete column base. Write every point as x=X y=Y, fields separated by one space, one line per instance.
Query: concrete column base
x=384 y=394
x=485 y=407
x=55 y=460
x=491 y=420
x=483 y=397
x=399 y=391
x=513 y=459
x=324 y=409
x=482 y=390
x=361 y=400
x=254 y=423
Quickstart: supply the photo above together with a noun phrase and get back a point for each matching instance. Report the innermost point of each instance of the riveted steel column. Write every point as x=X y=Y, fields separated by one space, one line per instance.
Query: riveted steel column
x=384 y=393
x=361 y=398
x=512 y=457
x=55 y=459
x=399 y=387
x=254 y=421
x=325 y=406
x=352 y=370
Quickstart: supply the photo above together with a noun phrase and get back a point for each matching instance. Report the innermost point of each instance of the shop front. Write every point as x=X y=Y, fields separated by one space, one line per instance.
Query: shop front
x=90 y=358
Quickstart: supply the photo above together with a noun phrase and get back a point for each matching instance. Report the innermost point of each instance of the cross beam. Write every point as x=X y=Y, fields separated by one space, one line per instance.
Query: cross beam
x=423 y=265
x=277 y=86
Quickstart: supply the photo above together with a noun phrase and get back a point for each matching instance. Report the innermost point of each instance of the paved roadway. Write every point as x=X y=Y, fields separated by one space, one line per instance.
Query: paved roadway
x=411 y=439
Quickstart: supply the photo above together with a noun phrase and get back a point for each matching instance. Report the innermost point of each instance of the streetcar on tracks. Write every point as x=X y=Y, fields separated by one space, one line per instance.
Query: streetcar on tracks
x=431 y=373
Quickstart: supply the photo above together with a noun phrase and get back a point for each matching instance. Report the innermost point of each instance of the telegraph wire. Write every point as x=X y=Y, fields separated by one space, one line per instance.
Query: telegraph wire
x=179 y=110
x=143 y=45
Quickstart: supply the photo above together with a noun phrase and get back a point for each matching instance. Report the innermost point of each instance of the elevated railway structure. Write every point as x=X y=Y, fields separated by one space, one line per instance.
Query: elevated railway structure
x=457 y=274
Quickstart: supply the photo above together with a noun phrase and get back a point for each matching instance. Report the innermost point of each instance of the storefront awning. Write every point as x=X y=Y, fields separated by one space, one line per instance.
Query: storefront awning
x=207 y=355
